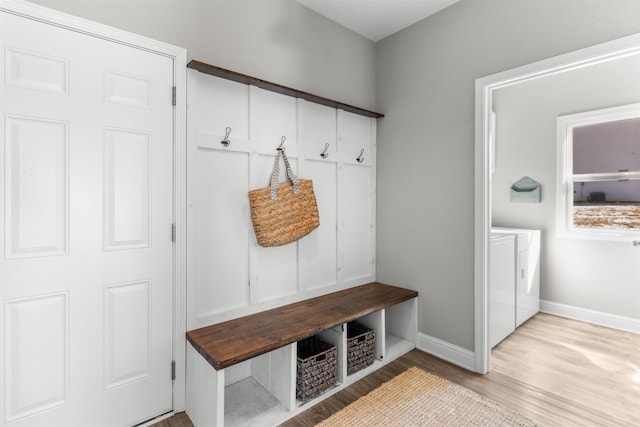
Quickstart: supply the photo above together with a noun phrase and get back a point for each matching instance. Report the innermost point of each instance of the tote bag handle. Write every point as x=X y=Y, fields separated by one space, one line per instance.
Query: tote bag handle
x=275 y=173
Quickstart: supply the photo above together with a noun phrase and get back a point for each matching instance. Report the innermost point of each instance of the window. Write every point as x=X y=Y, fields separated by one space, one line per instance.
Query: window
x=599 y=173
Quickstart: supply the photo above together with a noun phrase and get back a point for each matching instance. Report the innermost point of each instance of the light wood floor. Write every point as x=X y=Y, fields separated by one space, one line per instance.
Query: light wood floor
x=555 y=371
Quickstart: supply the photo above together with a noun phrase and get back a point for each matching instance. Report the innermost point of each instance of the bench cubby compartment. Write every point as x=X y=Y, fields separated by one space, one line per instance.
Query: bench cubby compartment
x=401 y=328
x=376 y=322
x=249 y=387
x=256 y=392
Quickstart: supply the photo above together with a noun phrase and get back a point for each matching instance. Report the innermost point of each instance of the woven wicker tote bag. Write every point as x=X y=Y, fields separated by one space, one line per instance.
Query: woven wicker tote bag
x=283 y=212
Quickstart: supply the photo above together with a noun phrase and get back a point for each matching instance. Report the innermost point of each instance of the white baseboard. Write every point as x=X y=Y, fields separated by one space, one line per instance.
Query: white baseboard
x=614 y=321
x=446 y=351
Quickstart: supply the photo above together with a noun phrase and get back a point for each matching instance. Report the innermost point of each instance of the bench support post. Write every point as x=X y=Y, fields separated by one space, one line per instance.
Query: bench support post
x=205 y=393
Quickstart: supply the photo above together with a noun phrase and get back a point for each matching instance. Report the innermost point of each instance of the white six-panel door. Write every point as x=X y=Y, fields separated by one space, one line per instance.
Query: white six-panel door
x=86 y=262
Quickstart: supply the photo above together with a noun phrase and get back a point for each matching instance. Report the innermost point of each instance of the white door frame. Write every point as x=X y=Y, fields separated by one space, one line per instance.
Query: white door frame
x=179 y=57
x=615 y=49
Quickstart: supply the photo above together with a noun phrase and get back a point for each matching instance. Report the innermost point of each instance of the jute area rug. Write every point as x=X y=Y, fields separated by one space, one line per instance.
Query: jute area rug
x=417 y=398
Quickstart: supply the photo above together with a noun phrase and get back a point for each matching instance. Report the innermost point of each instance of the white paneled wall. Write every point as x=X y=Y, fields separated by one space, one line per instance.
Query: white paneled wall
x=229 y=274
x=318 y=256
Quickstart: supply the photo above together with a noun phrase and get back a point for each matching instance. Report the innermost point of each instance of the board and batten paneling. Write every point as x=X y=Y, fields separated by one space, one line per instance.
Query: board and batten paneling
x=229 y=274
x=217 y=250
x=357 y=135
x=272 y=117
x=318 y=256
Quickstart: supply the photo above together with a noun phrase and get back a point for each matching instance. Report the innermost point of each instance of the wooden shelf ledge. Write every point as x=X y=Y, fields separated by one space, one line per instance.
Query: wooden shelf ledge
x=274 y=87
x=234 y=341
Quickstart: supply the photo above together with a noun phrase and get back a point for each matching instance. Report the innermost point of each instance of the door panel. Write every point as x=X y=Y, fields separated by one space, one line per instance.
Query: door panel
x=127 y=348
x=35 y=71
x=127 y=197
x=86 y=267
x=35 y=383
x=36 y=182
x=120 y=88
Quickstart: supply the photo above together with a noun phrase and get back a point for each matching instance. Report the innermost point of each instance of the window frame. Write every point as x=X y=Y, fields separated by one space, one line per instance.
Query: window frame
x=566 y=178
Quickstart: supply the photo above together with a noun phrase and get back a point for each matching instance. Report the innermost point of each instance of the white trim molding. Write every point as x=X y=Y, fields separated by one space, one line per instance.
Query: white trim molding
x=598 y=54
x=446 y=351
x=623 y=323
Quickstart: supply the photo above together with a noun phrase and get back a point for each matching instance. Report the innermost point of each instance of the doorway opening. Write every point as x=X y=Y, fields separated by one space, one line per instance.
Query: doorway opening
x=485 y=87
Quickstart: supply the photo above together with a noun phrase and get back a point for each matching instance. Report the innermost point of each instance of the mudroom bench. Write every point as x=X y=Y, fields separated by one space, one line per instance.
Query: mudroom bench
x=243 y=371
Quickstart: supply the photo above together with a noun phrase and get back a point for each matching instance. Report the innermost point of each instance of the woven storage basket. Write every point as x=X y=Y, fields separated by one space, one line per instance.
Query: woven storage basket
x=361 y=343
x=316 y=367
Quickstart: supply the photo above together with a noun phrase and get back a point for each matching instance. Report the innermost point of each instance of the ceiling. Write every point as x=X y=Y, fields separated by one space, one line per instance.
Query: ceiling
x=376 y=19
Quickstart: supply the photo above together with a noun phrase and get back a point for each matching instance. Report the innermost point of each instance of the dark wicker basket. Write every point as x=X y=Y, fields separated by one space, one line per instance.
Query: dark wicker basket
x=316 y=367
x=361 y=343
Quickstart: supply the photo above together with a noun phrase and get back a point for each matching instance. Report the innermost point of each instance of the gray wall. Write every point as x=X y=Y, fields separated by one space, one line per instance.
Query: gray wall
x=422 y=79
x=425 y=86
x=596 y=275
x=276 y=40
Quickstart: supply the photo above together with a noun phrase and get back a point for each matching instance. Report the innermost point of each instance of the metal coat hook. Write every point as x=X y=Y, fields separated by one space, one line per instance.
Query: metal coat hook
x=280 y=147
x=360 y=158
x=226 y=140
x=324 y=154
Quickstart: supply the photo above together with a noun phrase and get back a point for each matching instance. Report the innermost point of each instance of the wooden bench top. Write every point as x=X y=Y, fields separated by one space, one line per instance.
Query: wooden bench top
x=234 y=341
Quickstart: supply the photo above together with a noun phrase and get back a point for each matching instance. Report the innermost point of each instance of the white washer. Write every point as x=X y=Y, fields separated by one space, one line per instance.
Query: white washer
x=502 y=297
